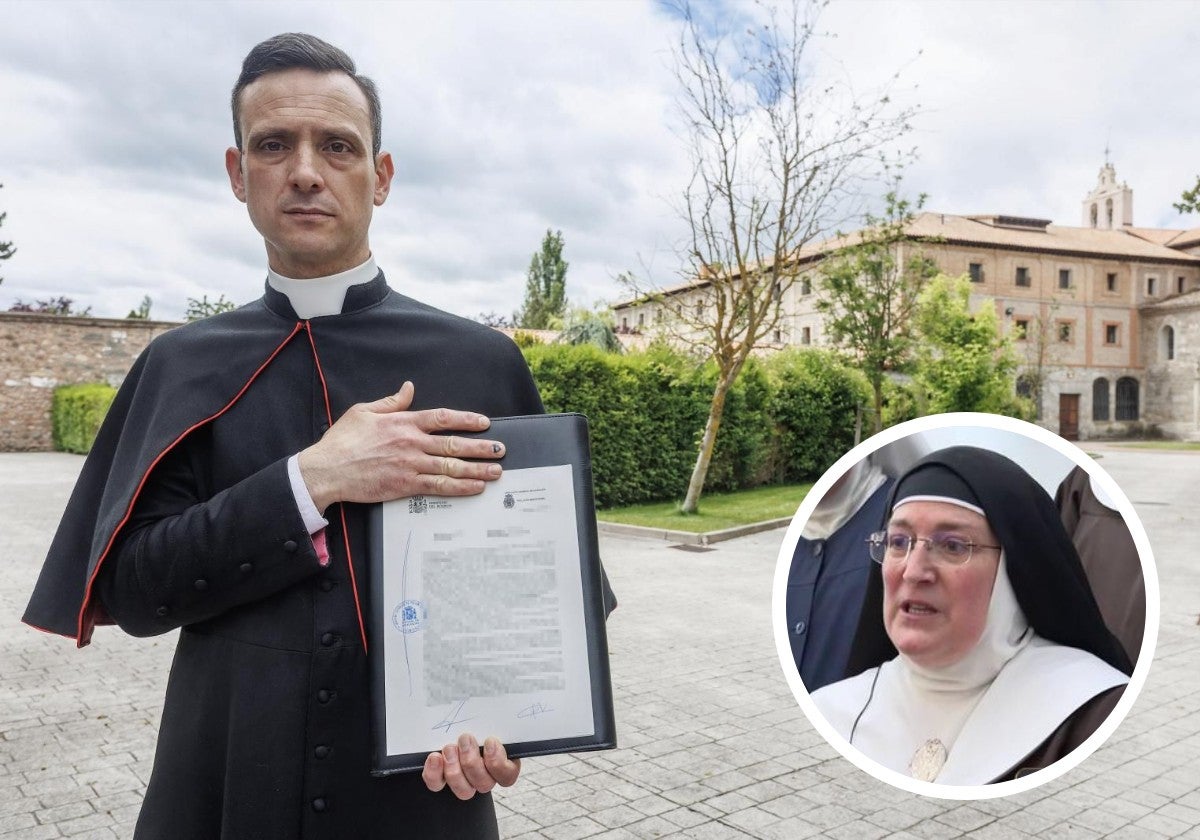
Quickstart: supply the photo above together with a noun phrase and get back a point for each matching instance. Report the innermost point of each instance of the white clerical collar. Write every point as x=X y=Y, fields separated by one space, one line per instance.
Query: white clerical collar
x=321 y=295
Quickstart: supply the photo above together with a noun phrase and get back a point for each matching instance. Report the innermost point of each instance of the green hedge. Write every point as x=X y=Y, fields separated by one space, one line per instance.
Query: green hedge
x=785 y=419
x=76 y=414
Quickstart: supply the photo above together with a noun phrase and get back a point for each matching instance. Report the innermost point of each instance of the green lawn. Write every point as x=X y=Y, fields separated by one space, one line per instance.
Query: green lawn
x=717 y=511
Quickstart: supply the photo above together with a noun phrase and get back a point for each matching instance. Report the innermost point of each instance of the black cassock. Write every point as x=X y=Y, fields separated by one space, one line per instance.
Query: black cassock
x=184 y=517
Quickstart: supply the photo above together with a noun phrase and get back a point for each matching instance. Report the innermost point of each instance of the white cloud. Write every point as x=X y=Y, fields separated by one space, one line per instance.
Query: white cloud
x=510 y=118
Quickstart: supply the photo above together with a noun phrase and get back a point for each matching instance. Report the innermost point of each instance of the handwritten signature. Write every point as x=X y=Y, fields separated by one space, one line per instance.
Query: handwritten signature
x=534 y=710
x=453 y=718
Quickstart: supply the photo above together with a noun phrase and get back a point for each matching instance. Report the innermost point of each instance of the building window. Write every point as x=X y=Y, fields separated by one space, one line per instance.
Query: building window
x=1064 y=278
x=624 y=323
x=1151 y=286
x=1112 y=334
x=776 y=291
x=1127 y=399
x=1179 y=285
x=975 y=270
x=1166 y=343
x=806 y=286
x=778 y=336
x=1112 y=281
x=699 y=309
x=806 y=335
x=1021 y=329
x=1065 y=333
x=641 y=319
x=1108 y=211
x=1095 y=215
x=1022 y=278
x=1100 y=399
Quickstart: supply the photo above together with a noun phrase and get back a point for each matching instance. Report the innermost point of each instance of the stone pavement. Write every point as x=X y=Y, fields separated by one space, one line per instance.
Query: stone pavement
x=712 y=744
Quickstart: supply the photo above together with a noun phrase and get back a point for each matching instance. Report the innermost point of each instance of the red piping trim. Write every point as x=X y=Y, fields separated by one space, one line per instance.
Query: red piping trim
x=47 y=630
x=88 y=607
x=341 y=508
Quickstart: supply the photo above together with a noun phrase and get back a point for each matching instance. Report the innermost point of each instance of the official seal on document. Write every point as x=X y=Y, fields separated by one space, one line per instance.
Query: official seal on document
x=409 y=616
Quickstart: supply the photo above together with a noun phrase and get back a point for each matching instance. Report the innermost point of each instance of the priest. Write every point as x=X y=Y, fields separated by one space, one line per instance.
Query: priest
x=227 y=491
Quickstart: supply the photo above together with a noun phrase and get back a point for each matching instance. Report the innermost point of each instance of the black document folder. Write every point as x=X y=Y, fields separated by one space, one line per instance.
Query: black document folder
x=398 y=623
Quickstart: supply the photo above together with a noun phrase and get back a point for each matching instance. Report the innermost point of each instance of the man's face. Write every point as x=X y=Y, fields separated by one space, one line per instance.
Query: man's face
x=934 y=613
x=307 y=175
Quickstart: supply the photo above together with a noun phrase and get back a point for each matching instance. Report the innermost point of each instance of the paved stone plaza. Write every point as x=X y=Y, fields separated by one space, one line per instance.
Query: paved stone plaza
x=712 y=742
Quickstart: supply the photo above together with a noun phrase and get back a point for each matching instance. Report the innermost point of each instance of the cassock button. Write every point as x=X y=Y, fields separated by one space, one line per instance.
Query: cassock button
x=818 y=547
x=321 y=751
x=328 y=639
x=289 y=546
x=201 y=584
x=324 y=696
x=318 y=804
x=326 y=585
x=162 y=611
x=799 y=628
x=246 y=568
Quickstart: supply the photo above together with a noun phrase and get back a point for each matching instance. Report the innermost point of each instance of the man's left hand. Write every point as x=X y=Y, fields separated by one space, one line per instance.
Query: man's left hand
x=462 y=768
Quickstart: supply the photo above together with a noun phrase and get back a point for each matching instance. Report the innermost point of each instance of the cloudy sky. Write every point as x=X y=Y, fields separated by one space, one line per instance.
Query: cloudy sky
x=507 y=118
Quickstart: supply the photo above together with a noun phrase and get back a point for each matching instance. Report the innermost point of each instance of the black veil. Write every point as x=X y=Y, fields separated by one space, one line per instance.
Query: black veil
x=1041 y=560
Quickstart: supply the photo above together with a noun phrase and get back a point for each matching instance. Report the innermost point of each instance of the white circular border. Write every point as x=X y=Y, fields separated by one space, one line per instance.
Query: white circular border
x=1039 y=435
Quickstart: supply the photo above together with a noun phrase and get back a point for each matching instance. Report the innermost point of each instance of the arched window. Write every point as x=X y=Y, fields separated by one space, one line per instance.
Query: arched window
x=1108 y=209
x=1127 y=399
x=1100 y=399
x=1095 y=215
x=1166 y=343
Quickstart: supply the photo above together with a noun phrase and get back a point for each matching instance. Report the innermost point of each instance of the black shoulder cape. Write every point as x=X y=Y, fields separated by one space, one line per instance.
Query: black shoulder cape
x=193 y=374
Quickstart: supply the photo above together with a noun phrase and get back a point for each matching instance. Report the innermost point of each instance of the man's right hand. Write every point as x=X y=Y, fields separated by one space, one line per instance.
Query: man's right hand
x=381 y=451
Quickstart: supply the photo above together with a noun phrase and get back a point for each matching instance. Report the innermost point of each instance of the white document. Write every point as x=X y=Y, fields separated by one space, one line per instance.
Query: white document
x=485 y=627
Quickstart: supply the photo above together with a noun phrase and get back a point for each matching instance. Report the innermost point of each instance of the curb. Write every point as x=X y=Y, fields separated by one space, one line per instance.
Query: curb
x=689 y=537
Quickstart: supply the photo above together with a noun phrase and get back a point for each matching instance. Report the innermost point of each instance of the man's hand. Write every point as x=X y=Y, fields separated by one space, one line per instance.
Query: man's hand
x=460 y=766
x=381 y=451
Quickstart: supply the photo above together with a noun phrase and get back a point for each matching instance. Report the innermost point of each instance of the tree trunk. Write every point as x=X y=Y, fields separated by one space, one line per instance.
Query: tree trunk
x=704 y=456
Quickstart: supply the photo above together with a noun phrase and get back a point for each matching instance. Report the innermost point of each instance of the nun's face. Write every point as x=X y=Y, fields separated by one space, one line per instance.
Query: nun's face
x=935 y=612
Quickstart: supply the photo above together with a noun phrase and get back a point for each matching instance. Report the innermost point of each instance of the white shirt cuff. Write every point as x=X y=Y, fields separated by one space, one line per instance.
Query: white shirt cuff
x=313 y=520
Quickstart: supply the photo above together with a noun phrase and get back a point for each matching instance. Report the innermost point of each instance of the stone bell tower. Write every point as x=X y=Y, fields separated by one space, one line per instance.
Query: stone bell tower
x=1110 y=205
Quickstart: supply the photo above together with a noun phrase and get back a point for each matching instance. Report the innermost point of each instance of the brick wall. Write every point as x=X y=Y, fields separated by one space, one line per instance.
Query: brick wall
x=40 y=352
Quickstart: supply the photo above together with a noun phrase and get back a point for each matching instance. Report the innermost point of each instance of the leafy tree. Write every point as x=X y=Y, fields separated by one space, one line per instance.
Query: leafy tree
x=1189 y=202
x=591 y=326
x=6 y=248
x=775 y=153
x=962 y=361
x=203 y=308
x=545 y=286
x=143 y=310
x=60 y=305
x=869 y=295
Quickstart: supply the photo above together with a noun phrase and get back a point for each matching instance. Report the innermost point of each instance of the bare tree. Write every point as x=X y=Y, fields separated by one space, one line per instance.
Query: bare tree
x=775 y=158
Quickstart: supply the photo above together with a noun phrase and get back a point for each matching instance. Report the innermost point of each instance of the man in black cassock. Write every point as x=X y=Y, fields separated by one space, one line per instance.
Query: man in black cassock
x=227 y=491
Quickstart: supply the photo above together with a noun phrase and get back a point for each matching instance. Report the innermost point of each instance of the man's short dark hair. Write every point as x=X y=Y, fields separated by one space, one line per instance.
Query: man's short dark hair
x=298 y=49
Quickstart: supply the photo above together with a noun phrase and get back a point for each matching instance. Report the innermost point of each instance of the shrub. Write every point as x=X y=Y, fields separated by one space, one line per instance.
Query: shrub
x=817 y=402
x=76 y=414
x=647 y=412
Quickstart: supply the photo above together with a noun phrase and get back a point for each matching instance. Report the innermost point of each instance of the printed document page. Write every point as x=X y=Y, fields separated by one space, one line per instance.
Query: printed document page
x=484 y=631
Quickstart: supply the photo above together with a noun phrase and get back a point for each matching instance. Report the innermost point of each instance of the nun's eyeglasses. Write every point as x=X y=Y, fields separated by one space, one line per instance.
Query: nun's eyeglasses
x=943 y=548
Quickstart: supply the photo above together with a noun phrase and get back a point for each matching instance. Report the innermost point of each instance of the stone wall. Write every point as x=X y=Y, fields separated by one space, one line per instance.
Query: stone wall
x=40 y=352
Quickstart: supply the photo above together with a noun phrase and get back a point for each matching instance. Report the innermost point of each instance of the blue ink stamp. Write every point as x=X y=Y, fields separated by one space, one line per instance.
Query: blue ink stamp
x=509 y=501
x=409 y=616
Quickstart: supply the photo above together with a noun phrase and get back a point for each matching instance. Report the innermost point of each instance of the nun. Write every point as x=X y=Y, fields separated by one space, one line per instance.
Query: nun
x=980 y=654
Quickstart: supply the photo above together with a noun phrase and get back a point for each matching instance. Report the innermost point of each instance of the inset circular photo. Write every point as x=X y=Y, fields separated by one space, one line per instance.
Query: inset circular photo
x=965 y=606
